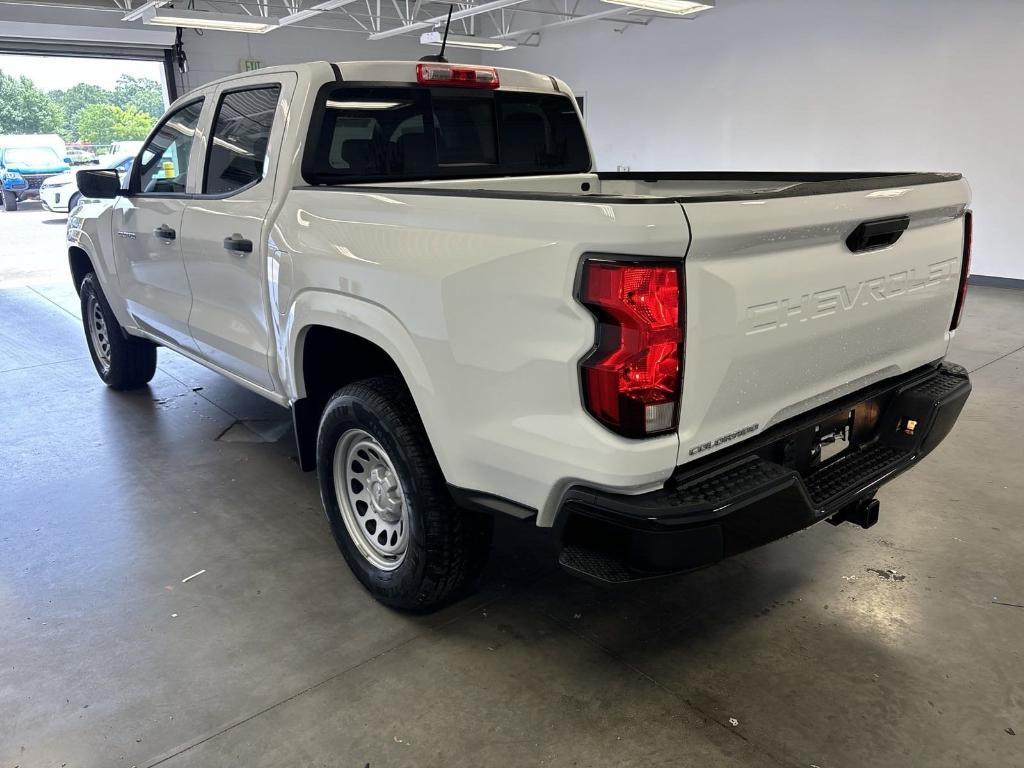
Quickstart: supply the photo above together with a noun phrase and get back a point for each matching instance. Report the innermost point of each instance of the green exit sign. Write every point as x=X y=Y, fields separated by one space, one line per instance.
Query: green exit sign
x=250 y=65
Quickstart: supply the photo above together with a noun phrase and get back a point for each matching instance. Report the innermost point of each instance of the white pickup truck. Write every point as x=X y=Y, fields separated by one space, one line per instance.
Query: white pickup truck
x=465 y=318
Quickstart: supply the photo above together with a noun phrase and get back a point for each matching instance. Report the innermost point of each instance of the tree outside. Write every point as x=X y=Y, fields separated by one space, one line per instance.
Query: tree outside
x=74 y=100
x=141 y=93
x=82 y=113
x=104 y=123
x=26 y=109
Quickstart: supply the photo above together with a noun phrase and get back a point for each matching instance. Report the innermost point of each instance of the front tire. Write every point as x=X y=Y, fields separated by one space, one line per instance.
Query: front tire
x=122 y=361
x=386 y=499
x=74 y=201
x=10 y=201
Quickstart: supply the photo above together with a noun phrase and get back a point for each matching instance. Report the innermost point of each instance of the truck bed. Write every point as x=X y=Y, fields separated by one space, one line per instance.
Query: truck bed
x=700 y=186
x=669 y=186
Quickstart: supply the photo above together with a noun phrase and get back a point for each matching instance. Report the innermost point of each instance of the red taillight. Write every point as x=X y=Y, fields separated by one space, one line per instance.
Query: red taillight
x=965 y=270
x=454 y=74
x=631 y=381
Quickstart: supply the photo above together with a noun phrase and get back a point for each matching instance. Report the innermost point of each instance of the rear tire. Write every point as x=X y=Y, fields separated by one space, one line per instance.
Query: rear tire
x=122 y=361
x=10 y=201
x=386 y=499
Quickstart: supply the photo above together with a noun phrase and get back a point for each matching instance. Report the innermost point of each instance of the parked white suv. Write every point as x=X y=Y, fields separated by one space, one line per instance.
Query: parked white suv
x=59 y=194
x=465 y=318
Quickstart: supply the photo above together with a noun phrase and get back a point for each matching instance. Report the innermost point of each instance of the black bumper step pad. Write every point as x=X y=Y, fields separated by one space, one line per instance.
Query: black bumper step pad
x=946 y=381
x=730 y=482
x=848 y=473
x=594 y=564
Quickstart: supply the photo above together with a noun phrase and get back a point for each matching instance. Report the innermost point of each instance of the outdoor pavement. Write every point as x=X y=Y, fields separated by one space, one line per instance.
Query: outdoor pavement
x=32 y=246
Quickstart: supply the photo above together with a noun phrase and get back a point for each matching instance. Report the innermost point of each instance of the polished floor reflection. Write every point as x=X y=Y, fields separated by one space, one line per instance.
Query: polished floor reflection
x=900 y=645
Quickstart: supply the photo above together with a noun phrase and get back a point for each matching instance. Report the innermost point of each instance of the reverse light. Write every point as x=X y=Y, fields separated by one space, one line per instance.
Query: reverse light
x=965 y=270
x=632 y=380
x=456 y=75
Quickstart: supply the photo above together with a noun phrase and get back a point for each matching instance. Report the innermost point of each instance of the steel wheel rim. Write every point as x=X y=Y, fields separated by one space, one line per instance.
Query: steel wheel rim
x=98 y=332
x=371 y=499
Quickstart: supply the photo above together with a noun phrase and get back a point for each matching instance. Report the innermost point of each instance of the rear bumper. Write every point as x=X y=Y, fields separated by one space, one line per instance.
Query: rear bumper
x=766 y=488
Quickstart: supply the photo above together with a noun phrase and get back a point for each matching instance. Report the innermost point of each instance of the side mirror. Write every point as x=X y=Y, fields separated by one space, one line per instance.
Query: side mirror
x=101 y=185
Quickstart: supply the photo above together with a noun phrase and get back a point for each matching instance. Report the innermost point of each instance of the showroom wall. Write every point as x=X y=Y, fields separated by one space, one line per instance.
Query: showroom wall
x=815 y=85
x=215 y=54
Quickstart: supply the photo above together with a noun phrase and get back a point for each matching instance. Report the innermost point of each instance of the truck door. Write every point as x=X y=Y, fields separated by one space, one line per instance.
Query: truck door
x=224 y=241
x=146 y=228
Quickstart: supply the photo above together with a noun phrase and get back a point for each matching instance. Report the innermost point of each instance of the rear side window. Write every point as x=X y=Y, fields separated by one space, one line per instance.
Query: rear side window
x=376 y=134
x=237 y=156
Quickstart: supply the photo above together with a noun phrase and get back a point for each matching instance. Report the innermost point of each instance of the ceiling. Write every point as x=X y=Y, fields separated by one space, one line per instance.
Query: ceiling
x=519 y=21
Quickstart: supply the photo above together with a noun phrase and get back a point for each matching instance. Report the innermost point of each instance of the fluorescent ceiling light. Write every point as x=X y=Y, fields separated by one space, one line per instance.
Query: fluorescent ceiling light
x=329 y=5
x=677 y=7
x=331 y=104
x=223 y=22
x=465 y=13
x=466 y=41
x=137 y=13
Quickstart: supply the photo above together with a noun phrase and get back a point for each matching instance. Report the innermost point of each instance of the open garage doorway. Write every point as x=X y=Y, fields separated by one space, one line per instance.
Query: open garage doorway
x=62 y=109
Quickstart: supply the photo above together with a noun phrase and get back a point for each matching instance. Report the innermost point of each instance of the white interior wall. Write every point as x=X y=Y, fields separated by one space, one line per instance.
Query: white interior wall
x=217 y=54
x=813 y=85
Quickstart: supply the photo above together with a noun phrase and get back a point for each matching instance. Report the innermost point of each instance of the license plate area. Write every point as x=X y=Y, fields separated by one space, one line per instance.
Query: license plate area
x=828 y=439
x=833 y=437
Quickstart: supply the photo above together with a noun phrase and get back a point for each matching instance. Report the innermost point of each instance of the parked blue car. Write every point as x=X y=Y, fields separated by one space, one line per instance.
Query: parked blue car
x=23 y=171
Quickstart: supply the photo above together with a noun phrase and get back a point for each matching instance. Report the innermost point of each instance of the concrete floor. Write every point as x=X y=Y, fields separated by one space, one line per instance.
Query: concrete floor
x=32 y=246
x=835 y=647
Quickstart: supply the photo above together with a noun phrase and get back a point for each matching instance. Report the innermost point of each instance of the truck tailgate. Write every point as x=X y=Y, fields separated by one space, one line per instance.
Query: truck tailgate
x=782 y=316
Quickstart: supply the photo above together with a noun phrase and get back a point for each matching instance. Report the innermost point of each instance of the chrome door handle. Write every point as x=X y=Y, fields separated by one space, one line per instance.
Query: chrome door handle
x=238 y=245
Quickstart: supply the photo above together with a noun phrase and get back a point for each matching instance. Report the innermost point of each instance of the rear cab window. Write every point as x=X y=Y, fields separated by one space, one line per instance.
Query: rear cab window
x=413 y=133
x=237 y=155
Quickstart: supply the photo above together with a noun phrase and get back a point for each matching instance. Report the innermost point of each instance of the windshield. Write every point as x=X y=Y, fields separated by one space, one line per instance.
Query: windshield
x=407 y=133
x=32 y=157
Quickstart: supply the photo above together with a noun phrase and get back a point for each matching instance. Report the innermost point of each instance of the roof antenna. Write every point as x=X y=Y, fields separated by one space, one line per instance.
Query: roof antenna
x=440 y=56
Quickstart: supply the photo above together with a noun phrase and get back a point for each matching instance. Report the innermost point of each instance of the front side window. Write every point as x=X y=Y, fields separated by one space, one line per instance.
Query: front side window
x=164 y=159
x=241 y=136
x=377 y=134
